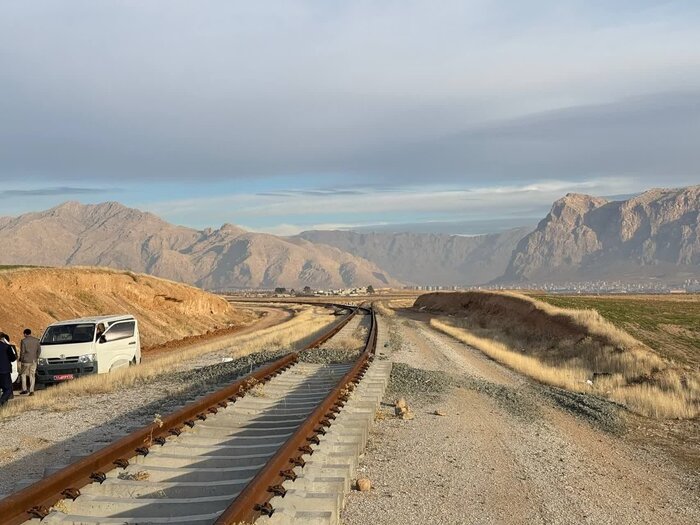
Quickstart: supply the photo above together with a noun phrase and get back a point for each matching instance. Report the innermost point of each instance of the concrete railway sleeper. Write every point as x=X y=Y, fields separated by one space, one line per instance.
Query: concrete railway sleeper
x=217 y=460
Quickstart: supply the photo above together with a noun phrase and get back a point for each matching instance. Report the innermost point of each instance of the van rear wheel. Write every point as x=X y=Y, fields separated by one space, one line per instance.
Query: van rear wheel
x=133 y=362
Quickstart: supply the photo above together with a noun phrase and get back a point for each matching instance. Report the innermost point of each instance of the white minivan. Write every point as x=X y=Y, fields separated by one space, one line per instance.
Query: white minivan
x=90 y=345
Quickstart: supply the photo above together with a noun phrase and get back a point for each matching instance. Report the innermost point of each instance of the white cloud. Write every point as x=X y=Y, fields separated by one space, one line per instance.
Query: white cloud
x=278 y=229
x=299 y=211
x=293 y=229
x=174 y=90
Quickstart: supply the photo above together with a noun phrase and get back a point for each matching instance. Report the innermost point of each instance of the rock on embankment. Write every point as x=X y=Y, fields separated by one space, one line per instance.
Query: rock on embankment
x=166 y=310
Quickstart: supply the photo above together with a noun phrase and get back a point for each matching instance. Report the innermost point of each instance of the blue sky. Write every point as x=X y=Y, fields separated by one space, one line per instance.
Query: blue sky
x=306 y=114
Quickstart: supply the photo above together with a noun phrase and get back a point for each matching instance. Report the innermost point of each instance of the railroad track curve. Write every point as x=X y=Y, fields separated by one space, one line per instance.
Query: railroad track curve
x=217 y=460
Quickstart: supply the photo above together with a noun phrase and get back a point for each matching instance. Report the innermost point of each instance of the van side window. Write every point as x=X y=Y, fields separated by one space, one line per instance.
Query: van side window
x=121 y=331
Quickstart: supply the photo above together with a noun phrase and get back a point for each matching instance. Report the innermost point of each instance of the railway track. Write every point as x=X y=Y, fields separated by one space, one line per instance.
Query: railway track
x=218 y=460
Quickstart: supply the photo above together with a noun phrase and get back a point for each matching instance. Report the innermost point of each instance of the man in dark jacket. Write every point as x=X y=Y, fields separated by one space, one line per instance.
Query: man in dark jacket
x=8 y=355
x=29 y=352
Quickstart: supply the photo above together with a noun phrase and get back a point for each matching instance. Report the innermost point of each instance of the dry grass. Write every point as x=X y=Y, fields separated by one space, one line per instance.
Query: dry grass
x=356 y=340
x=570 y=378
x=401 y=303
x=382 y=308
x=257 y=391
x=669 y=324
x=292 y=334
x=349 y=343
x=653 y=401
x=60 y=506
x=572 y=349
x=380 y=415
x=255 y=388
x=141 y=475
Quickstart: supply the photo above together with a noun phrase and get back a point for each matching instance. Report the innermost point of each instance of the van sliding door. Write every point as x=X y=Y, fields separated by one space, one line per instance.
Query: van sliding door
x=119 y=347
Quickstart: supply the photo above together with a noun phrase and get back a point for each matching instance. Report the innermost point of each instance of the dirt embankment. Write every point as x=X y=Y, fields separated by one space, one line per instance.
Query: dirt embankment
x=569 y=348
x=526 y=318
x=166 y=310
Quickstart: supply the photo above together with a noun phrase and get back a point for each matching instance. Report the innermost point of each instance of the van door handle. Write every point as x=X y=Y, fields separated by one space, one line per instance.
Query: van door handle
x=132 y=343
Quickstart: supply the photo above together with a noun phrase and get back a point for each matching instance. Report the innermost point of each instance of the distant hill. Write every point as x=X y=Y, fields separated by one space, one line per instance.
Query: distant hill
x=653 y=235
x=110 y=234
x=424 y=259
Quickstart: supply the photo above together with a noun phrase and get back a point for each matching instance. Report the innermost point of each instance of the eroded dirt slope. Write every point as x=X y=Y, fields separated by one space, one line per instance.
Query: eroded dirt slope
x=166 y=310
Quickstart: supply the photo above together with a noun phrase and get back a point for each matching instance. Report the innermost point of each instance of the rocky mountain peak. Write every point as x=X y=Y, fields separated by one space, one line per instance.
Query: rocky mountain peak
x=231 y=229
x=655 y=233
x=66 y=209
x=112 y=216
x=574 y=205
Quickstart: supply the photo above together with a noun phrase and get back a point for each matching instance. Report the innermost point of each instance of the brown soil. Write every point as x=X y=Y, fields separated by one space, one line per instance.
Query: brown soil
x=190 y=340
x=166 y=310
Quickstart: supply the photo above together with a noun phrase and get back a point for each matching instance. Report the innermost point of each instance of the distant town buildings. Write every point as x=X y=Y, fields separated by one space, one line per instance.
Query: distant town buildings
x=306 y=292
x=436 y=288
x=343 y=291
x=584 y=287
x=573 y=287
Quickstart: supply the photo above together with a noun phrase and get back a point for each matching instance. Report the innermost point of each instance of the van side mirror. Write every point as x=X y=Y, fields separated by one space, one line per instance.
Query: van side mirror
x=103 y=339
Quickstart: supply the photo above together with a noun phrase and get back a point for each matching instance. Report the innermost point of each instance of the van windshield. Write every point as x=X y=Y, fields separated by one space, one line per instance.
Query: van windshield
x=69 y=333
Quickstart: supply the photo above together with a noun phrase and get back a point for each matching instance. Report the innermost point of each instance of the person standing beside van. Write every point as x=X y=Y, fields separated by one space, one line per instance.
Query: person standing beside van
x=29 y=352
x=8 y=355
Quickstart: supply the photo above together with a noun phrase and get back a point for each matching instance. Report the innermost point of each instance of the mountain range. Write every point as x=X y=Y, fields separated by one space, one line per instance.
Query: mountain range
x=429 y=258
x=110 y=234
x=653 y=235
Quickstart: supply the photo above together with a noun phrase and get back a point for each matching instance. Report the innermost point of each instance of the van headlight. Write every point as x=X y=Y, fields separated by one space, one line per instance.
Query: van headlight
x=43 y=361
x=87 y=358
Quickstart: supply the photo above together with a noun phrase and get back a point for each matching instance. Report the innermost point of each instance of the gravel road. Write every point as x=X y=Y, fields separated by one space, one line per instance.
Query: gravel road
x=507 y=450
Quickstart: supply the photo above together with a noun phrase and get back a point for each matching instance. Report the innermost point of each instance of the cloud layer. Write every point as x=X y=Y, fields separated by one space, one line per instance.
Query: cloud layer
x=470 y=210
x=53 y=191
x=388 y=93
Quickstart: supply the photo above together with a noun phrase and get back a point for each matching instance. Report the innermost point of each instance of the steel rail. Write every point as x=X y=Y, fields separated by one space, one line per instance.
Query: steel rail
x=254 y=500
x=34 y=501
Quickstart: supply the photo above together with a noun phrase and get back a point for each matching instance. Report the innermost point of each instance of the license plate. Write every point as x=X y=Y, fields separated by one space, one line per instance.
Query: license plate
x=62 y=377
